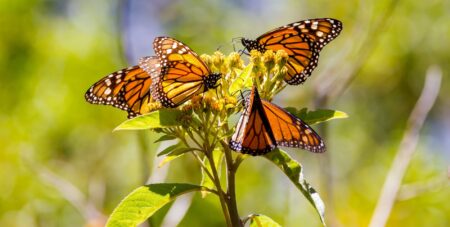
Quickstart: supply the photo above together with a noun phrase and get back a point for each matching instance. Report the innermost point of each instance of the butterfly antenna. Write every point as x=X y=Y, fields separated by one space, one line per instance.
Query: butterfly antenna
x=233 y=40
x=219 y=47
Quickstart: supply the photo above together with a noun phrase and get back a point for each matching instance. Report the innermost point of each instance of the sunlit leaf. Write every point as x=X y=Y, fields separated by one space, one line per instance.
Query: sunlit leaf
x=176 y=153
x=294 y=171
x=206 y=181
x=316 y=116
x=158 y=119
x=143 y=202
x=259 y=220
x=244 y=80
x=165 y=138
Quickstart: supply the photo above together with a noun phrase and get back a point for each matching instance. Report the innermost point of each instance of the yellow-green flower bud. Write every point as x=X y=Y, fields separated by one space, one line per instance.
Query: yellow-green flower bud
x=269 y=60
x=234 y=61
x=218 y=59
x=281 y=58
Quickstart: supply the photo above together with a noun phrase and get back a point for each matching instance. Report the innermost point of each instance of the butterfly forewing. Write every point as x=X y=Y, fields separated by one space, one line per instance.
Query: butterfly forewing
x=183 y=73
x=302 y=41
x=321 y=30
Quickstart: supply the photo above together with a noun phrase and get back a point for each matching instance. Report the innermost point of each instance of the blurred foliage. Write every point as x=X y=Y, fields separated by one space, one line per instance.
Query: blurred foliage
x=61 y=165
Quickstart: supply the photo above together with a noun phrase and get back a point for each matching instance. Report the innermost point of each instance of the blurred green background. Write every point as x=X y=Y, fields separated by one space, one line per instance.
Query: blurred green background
x=61 y=164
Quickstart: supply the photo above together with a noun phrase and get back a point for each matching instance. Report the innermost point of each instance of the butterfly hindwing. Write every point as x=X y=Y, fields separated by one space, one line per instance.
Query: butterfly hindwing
x=291 y=131
x=127 y=89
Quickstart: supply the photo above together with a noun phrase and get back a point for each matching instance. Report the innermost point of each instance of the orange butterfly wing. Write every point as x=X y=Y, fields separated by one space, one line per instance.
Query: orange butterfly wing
x=291 y=131
x=253 y=134
x=264 y=125
x=183 y=73
x=302 y=41
x=127 y=89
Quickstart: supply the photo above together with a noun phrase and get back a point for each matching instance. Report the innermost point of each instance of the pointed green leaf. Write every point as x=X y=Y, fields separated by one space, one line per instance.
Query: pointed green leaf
x=143 y=202
x=244 y=80
x=168 y=159
x=316 y=116
x=176 y=153
x=170 y=149
x=157 y=119
x=294 y=171
x=165 y=138
x=259 y=220
x=206 y=181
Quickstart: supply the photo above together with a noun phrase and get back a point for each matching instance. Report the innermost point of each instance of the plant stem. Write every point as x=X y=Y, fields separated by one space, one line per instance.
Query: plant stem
x=221 y=194
x=231 y=188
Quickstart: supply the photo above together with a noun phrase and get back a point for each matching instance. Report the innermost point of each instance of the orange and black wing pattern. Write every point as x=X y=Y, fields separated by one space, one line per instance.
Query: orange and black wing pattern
x=127 y=89
x=291 y=131
x=253 y=134
x=302 y=41
x=183 y=73
x=263 y=126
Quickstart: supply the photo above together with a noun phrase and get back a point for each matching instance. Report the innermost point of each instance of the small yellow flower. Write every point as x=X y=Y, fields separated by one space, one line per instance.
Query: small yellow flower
x=281 y=58
x=234 y=61
x=255 y=57
x=207 y=59
x=269 y=60
x=230 y=100
x=196 y=102
x=218 y=59
x=217 y=106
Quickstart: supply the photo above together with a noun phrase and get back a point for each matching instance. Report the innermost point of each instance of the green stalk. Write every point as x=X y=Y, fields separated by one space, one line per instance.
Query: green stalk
x=231 y=188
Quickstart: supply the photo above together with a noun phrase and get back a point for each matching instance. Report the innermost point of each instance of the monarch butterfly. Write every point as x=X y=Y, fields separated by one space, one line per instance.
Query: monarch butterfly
x=263 y=126
x=127 y=89
x=302 y=41
x=183 y=74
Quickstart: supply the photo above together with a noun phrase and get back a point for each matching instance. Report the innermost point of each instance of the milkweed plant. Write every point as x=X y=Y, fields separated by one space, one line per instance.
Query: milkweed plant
x=202 y=128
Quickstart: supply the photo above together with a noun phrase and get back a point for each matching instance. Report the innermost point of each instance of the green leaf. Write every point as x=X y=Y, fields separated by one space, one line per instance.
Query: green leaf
x=206 y=181
x=244 y=80
x=294 y=171
x=158 y=119
x=165 y=138
x=259 y=220
x=316 y=116
x=170 y=149
x=178 y=152
x=143 y=202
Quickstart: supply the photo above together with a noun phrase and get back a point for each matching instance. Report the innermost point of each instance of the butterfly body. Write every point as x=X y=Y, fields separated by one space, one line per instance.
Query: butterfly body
x=302 y=41
x=263 y=126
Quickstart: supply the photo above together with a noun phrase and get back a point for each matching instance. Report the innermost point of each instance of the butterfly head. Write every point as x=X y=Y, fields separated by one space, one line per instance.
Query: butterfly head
x=251 y=44
x=211 y=80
